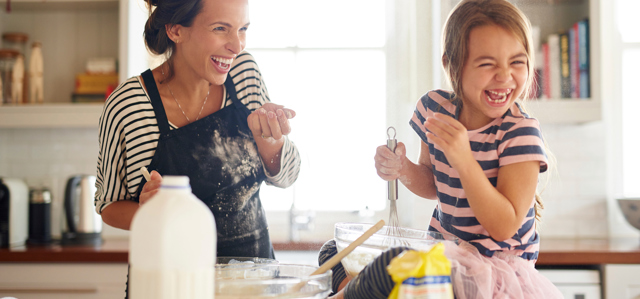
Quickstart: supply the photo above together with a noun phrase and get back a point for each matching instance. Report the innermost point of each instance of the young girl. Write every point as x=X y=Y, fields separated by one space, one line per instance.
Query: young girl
x=480 y=157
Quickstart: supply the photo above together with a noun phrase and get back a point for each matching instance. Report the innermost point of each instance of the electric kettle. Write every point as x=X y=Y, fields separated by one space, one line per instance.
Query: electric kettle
x=83 y=224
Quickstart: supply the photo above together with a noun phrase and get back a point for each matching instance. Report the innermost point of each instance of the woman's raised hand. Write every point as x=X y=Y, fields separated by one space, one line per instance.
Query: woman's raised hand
x=388 y=163
x=151 y=187
x=270 y=121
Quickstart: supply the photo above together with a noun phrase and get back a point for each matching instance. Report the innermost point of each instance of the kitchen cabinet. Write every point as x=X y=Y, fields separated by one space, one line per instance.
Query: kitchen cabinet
x=553 y=16
x=71 y=32
x=622 y=281
x=575 y=283
x=62 y=280
x=558 y=16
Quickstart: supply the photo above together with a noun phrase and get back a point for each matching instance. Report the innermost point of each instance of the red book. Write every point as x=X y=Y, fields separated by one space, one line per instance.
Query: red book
x=575 y=63
x=546 y=73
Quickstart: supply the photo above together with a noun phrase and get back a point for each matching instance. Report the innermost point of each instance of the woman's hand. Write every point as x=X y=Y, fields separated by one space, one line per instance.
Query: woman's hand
x=388 y=163
x=151 y=187
x=270 y=121
x=452 y=137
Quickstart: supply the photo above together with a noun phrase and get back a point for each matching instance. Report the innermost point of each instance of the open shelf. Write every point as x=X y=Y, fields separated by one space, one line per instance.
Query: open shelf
x=34 y=5
x=51 y=115
x=564 y=111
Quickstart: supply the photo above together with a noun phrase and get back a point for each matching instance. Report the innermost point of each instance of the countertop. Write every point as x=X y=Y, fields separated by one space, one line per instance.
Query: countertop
x=553 y=252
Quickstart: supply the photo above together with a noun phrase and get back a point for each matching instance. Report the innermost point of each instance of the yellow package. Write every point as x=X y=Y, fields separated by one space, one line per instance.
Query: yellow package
x=421 y=274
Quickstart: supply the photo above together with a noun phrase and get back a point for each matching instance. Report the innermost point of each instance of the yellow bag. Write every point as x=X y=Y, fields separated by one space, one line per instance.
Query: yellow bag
x=421 y=274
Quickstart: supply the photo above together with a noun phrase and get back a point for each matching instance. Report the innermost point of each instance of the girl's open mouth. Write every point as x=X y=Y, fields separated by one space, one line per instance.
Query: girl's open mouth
x=498 y=96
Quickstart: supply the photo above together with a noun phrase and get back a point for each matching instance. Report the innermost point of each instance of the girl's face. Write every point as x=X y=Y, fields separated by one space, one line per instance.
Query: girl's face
x=216 y=37
x=493 y=76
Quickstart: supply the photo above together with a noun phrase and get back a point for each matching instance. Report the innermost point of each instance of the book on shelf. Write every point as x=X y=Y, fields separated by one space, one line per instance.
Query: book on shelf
x=546 y=76
x=565 y=67
x=583 y=57
x=574 y=62
x=554 y=66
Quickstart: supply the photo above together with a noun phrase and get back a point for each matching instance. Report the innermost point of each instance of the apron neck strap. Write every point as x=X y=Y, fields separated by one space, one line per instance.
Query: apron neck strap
x=156 y=101
x=231 y=91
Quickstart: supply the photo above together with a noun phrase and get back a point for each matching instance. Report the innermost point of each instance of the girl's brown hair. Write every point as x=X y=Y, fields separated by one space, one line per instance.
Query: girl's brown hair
x=470 y=14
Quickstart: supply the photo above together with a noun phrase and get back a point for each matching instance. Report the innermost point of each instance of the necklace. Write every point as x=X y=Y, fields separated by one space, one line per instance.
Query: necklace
x=174 y=98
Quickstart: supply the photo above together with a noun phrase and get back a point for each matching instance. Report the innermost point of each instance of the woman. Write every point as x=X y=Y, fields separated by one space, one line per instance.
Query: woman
x=204 y=113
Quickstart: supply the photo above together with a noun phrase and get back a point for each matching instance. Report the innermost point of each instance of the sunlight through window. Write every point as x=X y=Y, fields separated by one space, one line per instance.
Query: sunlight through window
x=326 y=60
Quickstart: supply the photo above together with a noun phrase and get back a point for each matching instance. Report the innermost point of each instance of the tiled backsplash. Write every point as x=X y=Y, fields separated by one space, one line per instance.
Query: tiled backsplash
x=575 y=196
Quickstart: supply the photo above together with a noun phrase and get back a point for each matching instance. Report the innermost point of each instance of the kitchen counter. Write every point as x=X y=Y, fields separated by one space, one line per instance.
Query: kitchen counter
x=553 y=252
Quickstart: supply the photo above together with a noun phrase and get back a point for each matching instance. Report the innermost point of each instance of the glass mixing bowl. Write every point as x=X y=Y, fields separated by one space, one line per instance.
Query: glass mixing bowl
x=271 y=280
x=244 y=260
x=354 y=262
x=231 y=267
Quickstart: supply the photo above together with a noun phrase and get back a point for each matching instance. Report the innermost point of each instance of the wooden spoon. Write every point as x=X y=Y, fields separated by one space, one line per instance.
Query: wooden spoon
x=338 y=257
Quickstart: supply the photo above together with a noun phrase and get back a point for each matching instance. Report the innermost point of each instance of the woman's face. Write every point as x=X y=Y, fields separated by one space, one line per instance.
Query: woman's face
x=216 y=37
x=493 y=76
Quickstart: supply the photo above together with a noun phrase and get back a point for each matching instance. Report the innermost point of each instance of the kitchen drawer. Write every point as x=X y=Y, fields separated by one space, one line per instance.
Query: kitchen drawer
x=576 y=283
x=58 y=281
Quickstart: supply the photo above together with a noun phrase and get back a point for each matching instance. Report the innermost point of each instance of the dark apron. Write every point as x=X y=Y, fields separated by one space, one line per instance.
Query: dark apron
x=220 y=157
x=225 y=171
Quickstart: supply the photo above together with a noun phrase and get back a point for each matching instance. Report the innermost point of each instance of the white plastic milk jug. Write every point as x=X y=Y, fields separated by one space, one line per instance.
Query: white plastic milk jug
x=172 y=245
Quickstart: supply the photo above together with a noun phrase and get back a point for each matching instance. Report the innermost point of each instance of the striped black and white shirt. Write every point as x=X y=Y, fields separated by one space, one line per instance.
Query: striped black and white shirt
x=129 y=134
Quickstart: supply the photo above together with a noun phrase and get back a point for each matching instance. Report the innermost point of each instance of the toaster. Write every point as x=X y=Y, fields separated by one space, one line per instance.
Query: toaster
x=14 y=212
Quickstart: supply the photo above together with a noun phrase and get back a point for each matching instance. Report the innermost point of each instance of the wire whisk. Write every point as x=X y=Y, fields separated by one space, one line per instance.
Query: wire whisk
x=394 y=230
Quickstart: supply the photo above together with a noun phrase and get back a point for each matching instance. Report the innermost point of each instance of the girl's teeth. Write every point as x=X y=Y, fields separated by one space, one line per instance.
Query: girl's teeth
x=497 y=97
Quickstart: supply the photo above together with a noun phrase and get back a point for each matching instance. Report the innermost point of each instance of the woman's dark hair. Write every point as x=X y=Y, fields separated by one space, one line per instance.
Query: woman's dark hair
x=161 y=13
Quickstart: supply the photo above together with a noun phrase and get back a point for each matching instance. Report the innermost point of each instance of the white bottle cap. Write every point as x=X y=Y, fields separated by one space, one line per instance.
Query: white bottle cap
x=175 y=181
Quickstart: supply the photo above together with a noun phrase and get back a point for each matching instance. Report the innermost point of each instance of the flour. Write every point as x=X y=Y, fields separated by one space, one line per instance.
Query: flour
x=236 y=200
x=354 y=262
x=239 y=156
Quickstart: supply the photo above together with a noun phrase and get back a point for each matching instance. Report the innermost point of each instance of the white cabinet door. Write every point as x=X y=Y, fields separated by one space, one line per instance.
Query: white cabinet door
x=622 y=281
x=575 y=284
x=62 y=281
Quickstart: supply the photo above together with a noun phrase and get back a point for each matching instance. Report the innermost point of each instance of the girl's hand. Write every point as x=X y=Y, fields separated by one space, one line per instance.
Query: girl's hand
x=388 y=163
x=452 y=137
x=270 y=121
x=151 y=187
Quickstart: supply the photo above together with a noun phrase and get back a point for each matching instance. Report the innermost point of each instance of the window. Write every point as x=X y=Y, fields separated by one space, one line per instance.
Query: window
x=327 y=61
x=627 y=26
x=349 y=69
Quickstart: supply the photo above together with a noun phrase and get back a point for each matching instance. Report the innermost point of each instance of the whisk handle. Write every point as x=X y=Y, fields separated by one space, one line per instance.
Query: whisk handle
x=392 y=189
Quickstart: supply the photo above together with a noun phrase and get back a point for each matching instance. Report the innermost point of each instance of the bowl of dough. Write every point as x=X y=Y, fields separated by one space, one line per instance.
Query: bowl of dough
x=385 y=238
x=270 y=280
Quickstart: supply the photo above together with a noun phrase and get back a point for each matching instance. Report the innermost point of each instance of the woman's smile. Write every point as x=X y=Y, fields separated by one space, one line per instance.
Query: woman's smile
x=221 y=64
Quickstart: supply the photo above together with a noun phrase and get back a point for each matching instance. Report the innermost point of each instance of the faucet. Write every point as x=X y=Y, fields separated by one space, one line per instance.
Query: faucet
x=298 y=221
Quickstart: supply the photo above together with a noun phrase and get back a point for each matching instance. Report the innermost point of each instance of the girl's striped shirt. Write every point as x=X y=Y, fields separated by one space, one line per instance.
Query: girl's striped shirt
x=512 y=138
x=129 y=133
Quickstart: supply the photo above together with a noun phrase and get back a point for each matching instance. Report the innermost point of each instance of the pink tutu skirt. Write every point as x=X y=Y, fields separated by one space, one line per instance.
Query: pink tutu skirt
x=475 y=276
